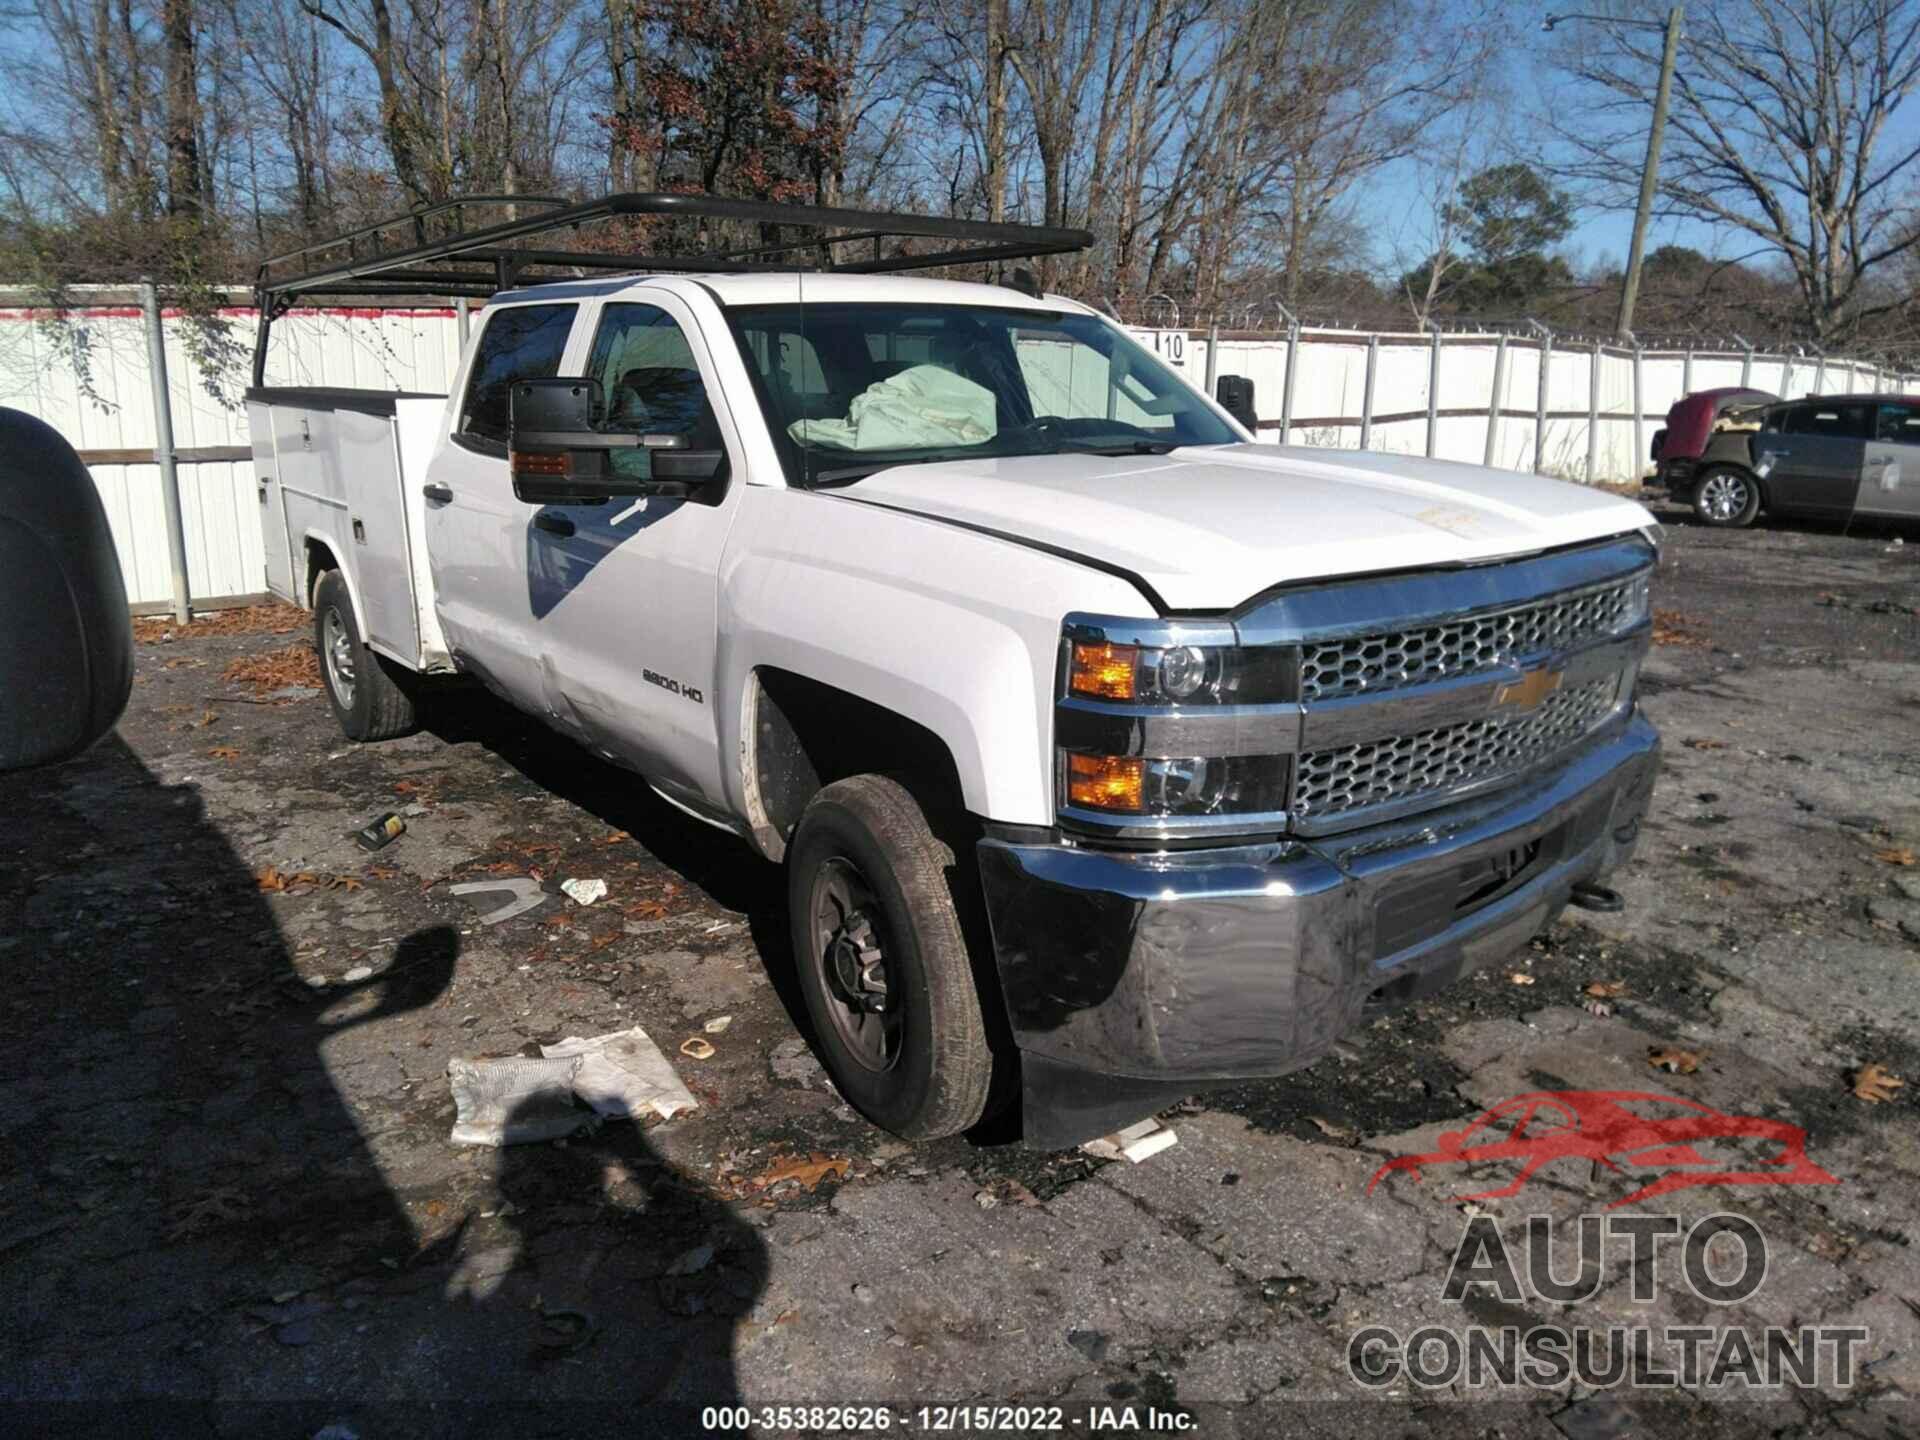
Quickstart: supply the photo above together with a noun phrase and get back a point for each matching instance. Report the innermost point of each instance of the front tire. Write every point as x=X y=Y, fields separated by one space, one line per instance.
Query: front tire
x=883 y=962
x=366 y=700
x=1726 y=498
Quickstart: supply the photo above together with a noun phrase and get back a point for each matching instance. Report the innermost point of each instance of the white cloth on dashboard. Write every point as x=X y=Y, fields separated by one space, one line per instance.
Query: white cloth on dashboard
x=923 y=405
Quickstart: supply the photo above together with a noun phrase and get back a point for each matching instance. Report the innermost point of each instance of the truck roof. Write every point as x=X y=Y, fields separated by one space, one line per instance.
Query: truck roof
x=775 y=289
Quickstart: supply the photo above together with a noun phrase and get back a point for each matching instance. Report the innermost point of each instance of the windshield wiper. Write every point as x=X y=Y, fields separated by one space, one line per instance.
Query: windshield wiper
x=1123 y=447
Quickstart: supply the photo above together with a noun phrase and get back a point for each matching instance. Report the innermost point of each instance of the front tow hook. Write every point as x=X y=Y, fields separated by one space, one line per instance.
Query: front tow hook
x=1589 y=896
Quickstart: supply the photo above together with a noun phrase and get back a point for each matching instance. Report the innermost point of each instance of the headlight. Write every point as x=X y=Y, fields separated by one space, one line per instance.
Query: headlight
x=1179 y=674
x=1161 y=722
x=1638 y=602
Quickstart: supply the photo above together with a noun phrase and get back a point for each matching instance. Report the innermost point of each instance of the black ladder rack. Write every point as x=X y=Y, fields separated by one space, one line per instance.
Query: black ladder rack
x=478 y=263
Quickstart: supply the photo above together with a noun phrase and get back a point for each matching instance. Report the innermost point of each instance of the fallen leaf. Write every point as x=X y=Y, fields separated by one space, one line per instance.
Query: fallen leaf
x=601 y=942
x=291 y=665
x=809 y=1172
x=1702 y=743
x=1876 y=1084
x=223 y=752
x=646 y=910
x=1520 y=977
x=1897 y=855
x=1670 y=627
x=1607 y=989
x=1676 y=1062
x=614 y=839
x=207 y=717
x=384 y=872
x=1331 y=1130
x=273 y=618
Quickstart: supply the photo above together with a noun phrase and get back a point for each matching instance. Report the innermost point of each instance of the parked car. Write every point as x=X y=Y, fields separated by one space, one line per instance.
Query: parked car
x=1691 y=423
x=1831 y=457
x=1110 y=754
x=66 y=660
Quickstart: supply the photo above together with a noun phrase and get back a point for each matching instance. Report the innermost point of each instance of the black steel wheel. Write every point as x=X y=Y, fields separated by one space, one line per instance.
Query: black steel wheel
x=883 y=964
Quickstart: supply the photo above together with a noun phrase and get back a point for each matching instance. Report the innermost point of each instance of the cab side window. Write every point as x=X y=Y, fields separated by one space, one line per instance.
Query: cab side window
x=650 y=384
x=1899 y=425
x=520 y=342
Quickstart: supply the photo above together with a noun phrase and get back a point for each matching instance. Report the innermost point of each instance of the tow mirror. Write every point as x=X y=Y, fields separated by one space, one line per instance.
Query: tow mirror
x=66 y=649
x=1235 y=394
x=560 y=456
x=556 y=455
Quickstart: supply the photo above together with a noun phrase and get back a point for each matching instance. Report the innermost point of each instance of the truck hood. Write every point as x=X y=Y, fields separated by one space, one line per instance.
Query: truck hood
x=1209 y=527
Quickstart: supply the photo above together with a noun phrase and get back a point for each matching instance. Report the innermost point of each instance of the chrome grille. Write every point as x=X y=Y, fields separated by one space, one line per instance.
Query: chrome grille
x=1395 y=659
x=1352 y=777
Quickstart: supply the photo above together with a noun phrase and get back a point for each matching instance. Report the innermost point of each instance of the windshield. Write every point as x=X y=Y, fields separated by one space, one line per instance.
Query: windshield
x=849 y=389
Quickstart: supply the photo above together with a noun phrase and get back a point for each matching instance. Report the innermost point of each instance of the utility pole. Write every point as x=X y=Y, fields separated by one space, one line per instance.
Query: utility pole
x=1649 y=176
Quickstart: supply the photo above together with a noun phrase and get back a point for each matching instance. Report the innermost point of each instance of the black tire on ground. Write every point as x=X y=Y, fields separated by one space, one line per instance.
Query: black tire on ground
x=366 y=700
x=867 y=890
x=1726 y=497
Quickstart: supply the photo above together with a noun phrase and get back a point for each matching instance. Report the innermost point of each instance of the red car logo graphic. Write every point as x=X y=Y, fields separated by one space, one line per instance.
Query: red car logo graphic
x=1621 y=1129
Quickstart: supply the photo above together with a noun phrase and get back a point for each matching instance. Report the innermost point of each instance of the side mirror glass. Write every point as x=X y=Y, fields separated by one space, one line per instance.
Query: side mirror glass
x=1235 y=394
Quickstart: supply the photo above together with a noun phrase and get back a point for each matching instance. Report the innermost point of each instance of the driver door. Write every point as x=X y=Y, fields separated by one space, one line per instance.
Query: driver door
x=624 y=593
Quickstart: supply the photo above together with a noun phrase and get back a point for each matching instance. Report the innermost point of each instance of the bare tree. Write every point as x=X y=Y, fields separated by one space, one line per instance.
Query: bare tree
x=1782 y=128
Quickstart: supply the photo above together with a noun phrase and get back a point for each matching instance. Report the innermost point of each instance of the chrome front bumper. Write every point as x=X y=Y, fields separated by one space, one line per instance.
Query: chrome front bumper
x=1132 y=978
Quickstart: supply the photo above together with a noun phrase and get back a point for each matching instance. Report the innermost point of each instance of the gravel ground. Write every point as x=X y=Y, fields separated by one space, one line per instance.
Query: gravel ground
x=228 y=1191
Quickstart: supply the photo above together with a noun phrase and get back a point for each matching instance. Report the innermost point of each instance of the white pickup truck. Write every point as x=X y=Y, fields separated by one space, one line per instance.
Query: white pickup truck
x=1110 y=753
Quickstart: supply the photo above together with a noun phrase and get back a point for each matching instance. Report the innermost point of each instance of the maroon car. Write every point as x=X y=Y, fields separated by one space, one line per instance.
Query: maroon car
x=1677 y=448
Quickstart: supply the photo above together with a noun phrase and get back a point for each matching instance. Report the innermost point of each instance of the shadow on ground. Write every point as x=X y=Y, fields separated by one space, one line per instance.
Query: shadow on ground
x=192 y=1216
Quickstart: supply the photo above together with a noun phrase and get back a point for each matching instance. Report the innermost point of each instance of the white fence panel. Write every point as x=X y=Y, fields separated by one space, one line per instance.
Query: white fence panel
x=108 y=415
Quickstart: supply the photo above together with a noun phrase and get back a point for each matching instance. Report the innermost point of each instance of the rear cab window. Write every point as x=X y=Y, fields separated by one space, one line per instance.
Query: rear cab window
x=520 y=342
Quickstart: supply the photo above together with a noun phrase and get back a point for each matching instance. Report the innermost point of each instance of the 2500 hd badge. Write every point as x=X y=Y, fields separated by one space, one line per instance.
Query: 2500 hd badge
x=674 y=687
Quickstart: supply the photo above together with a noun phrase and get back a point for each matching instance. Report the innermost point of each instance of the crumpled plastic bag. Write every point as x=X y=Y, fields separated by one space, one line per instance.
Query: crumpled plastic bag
x=924 y=405
x=623 y=1075
x=514 y=1101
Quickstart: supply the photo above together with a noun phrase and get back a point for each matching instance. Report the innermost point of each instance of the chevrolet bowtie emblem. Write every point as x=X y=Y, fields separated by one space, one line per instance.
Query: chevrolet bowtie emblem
x=1529 y=690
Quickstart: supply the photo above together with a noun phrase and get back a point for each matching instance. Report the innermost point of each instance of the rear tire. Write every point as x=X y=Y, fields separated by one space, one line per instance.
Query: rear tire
x=366 y=700
x=883 y=961
x=1726 y=498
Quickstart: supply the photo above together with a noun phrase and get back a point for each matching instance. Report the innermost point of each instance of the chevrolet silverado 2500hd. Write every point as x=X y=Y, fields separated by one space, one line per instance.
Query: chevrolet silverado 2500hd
x=1108 y=752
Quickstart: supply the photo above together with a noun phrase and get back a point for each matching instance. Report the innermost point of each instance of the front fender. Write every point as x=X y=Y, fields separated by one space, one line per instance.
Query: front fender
x=956 y=631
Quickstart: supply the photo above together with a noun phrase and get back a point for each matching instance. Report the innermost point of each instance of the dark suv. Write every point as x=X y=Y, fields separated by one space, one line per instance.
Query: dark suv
x=1831 y=456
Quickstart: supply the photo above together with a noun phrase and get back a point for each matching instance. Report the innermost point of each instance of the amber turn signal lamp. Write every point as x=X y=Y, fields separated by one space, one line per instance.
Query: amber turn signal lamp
x=1106 y=782
x=1103 y=671
x=538 y=462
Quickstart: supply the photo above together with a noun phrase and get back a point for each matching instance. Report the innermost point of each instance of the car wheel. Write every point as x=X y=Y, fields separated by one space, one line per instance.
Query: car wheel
x=366 y=700
x=1726 y=497
x=883 y=963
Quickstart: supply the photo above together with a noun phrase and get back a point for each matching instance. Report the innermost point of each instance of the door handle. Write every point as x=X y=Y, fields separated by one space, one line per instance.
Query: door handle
x=1879 y=459
x=553 y=524
x=439 y=494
